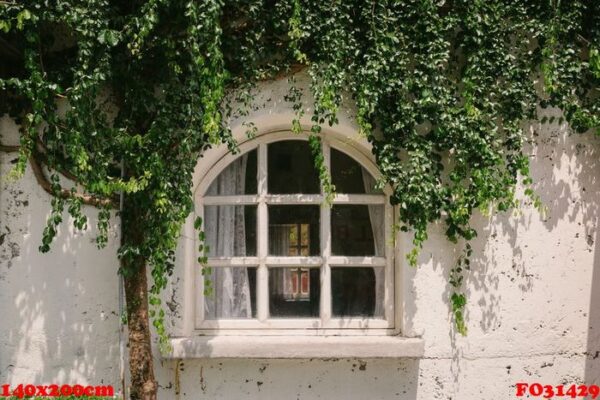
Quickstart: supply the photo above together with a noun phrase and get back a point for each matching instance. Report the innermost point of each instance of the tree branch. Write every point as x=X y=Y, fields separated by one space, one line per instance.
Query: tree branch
x=42 y=180
x=40 y=155
x=8 y=149
x=64 y=193
x=292 y=70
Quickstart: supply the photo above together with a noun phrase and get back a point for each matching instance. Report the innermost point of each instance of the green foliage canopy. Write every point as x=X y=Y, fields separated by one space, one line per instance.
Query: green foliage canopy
x=441 y=88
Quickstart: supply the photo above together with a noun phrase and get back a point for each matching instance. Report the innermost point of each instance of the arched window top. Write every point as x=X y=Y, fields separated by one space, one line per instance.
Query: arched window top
x=345 y=154
x=291 y=170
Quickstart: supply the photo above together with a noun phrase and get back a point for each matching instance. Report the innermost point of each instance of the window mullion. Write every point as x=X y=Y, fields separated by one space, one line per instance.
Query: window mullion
x=325 y=311
x=389 y=294
x=262 y=274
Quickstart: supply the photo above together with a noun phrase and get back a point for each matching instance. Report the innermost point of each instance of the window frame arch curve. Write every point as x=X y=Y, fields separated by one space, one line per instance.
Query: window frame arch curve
x=215 y=160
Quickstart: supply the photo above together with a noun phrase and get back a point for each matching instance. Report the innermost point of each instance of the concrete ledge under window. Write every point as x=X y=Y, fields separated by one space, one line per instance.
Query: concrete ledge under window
x=300 y=347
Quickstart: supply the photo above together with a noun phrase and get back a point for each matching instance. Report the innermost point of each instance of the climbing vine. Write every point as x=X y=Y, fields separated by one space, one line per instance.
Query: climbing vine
x=124 y=96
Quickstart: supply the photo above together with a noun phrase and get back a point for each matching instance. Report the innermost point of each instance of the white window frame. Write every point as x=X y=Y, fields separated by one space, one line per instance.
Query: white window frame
x=325 y=324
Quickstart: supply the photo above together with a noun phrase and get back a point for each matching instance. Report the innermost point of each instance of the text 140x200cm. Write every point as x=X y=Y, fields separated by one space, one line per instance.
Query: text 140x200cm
x=22 y=390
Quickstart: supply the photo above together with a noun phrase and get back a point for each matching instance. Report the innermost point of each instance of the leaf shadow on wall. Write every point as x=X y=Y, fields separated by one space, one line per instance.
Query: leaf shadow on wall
x=528 y=270
x=59 y=310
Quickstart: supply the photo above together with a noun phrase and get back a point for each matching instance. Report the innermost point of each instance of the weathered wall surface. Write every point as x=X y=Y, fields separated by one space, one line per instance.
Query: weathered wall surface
x=59 y=311
x=533 y=312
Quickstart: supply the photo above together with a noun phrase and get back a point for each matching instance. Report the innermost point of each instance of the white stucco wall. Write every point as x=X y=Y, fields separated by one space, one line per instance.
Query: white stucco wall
x=59 y=311
x=533 y=312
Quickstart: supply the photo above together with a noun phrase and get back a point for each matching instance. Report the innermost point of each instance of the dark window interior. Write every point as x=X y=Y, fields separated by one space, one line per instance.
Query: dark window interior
x=353 y=291
x=281 y=307
x=351 y=231
x=252 y=284
x=251 y=174
x=291 y=168
x=346 y=174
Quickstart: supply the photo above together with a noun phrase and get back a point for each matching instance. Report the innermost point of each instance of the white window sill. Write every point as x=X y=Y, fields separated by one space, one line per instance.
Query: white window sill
x=300 y=347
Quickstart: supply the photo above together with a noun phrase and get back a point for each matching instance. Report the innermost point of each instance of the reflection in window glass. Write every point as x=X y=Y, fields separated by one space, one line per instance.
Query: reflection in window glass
x=230 y=230
x=357 y=291
x=291 y=168
x=238 y=178
x=294 y=230
x=357 y=230
x=294 y=292
x=233 y=294
x=290 y=239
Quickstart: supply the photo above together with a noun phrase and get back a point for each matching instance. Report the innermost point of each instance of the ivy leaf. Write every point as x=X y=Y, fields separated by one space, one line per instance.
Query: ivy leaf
x=109 y=37
x=5 y=26
x=23 y=16
x=595 y=62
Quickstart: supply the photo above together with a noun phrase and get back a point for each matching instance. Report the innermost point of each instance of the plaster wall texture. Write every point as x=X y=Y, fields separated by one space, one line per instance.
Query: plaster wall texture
x=533 y=311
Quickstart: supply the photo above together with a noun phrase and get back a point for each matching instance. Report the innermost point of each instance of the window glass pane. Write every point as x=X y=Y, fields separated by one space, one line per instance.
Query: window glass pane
x=294 y=230
x=294 y=292
x=357 y=230
x=349 y=176
x=291 y=168
x=230 y=230
x=233 y=293
x=357 y=291
x=238 y=178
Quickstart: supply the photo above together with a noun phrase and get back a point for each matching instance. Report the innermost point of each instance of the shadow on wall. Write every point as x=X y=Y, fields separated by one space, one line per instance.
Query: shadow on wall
x=592 y=364
x=565 y=169
x=59 y=310
x=528 y=270
x=555 y=255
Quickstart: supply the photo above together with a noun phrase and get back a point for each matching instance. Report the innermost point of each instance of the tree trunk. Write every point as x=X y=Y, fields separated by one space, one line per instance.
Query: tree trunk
x=141 y=367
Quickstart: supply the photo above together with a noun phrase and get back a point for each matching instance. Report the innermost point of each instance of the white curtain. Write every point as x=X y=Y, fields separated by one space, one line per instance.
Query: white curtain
x=376 y=215
x=226 y=235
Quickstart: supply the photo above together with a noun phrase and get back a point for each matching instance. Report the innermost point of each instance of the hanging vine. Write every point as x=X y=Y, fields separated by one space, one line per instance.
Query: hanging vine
x=441 y=90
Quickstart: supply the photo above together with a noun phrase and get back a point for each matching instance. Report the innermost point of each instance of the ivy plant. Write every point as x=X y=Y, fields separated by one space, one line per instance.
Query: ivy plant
x=122 y=97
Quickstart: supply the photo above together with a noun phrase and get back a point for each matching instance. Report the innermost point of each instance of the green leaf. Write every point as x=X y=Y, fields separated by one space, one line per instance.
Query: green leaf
x=23 y=16
x=5 y=26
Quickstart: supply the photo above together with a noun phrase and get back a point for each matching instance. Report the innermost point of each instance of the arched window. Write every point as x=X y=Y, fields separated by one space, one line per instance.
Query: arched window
x=279 y=256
